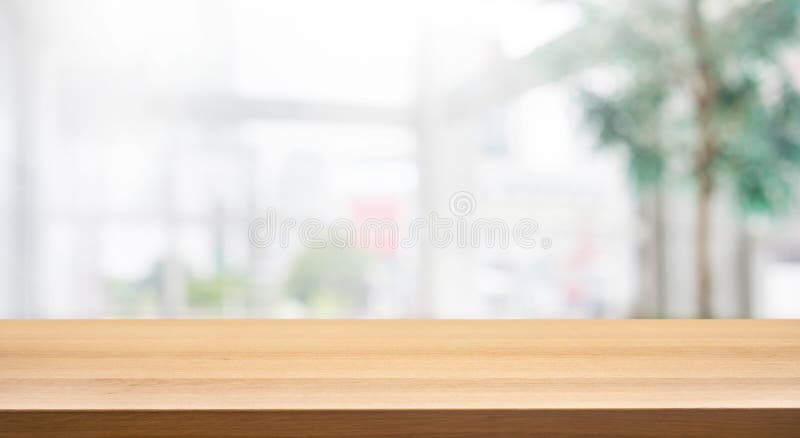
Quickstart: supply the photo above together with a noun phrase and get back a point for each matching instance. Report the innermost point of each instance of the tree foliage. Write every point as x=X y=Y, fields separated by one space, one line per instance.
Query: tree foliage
x=648 y=109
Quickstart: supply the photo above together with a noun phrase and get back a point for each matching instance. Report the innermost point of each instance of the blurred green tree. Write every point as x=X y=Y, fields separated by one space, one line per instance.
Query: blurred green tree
x=700 y=90
x=329 y=281
x=209 y=293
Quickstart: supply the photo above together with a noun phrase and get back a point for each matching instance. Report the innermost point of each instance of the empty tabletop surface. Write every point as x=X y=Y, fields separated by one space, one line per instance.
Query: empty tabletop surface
x=398 y=364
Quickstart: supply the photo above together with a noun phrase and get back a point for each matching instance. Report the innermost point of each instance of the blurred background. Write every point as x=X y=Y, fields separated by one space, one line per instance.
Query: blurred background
x=139 y=139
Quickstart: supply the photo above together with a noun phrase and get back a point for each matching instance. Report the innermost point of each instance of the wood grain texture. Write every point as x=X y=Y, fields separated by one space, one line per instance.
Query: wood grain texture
x=399 y=378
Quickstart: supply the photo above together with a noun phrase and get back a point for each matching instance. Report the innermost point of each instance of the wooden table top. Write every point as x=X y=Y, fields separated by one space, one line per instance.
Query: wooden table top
x=402 y=366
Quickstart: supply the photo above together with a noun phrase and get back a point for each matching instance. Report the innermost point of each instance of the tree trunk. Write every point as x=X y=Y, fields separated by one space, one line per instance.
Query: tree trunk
x=705 y=101
x=744 y=271
x=703 y=248
x=651 y=301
